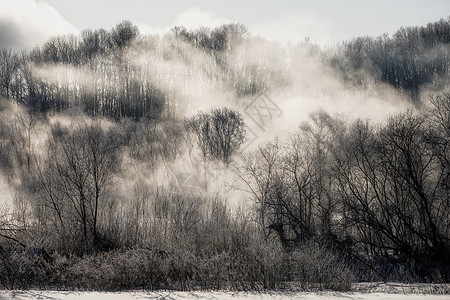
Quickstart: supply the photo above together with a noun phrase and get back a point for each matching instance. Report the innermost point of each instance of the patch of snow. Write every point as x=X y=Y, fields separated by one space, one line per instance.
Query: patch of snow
x=167 y=295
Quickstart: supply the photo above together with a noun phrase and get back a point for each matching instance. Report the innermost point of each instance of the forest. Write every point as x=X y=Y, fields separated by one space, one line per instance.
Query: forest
x=132 y=161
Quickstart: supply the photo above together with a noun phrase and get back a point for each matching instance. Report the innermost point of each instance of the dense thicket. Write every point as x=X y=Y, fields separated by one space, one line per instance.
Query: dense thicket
x=122 y=176
x=381 y=191
x=122 y=74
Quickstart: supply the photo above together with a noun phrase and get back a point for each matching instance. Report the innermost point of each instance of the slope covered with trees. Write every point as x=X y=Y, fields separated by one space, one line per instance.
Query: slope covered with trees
x=413 y=59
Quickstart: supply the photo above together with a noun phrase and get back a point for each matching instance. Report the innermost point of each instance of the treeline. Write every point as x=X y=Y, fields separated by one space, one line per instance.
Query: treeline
x=122 y=74
x=413 y=59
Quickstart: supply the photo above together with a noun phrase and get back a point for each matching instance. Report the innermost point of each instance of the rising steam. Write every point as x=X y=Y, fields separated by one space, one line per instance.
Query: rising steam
x=292 y=80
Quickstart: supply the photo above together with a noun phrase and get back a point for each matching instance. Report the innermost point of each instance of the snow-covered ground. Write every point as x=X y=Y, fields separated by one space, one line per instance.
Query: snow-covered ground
x=50 y=295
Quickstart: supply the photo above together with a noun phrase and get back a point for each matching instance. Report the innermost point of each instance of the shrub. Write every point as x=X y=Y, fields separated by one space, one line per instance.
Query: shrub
x=315 y=266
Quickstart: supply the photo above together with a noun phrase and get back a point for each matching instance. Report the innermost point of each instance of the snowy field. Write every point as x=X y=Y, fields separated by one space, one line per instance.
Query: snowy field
x=369 y=291
x=49 y=295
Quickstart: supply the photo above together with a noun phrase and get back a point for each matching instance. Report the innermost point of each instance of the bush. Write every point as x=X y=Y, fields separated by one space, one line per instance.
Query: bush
x=315 y=266
x=119 y=270
x=24 y=269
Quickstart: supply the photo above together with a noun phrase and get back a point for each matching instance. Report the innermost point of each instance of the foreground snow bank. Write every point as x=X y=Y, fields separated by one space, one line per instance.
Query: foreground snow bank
x=26 y=295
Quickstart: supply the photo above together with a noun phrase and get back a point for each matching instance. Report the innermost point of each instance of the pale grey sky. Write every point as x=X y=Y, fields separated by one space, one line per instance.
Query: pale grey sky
x=325 y=22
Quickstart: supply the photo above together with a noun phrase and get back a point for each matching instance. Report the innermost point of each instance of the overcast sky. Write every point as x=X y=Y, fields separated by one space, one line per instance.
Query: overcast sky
x=24 y=23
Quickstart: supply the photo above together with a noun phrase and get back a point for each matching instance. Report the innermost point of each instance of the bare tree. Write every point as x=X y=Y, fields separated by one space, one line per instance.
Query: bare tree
x=391 y=185
x=227 y=134
x=80 y=167
x=219 y=134
x=124 y=33
x=293 y=183
x=9 y=64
